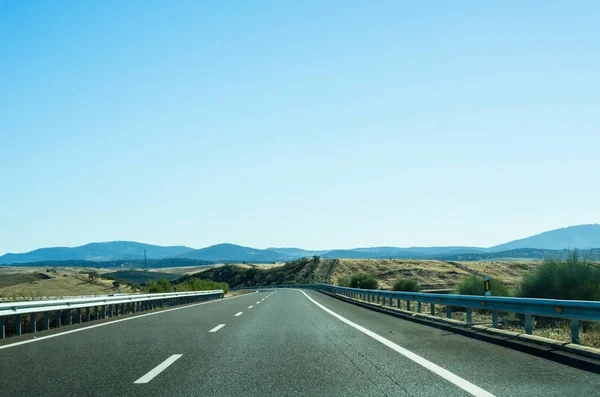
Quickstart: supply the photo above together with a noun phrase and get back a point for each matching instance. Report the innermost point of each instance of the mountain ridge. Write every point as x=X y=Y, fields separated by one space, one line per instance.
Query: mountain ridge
x=579 y=236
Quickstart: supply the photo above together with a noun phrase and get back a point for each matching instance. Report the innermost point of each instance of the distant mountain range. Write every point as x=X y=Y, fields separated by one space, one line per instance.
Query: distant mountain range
x=114 y=250
x=583 y=237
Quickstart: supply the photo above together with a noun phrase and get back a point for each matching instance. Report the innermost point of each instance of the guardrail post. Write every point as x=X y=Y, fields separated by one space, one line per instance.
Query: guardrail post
x=575 y=331
x=117 y=310
x=432 y=309
x=32 y=323
x=46 y=321
x=57 y=319
x=419 y=307
x=378 y=298
x=88 y=314
x=399 y=303
x=110 y=310
x=17 y=324
x=2 y=330
x=79 y=315
x=494 y=319
x=469 y=315
x=97 y=313
x=448 y=311
x=528 y=324
x=408 y=305
x=69 y=316
x=103 y=312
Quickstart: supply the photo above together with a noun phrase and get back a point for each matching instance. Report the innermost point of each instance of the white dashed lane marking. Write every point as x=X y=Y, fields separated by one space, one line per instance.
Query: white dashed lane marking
x=218 y=327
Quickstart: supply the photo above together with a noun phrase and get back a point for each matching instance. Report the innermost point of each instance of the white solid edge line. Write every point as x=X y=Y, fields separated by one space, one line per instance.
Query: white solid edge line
x=218 y=327
x=158 y=369
x=436 y=369
x=238 y=314
x=250 y=307
x=37 y=339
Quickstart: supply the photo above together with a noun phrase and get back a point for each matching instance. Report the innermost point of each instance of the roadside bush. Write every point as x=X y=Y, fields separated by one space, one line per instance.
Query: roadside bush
x=574 y=278
x=473 y=285
x=198 y=284
x=366 y=281
x=157 y=286
x=407 y=285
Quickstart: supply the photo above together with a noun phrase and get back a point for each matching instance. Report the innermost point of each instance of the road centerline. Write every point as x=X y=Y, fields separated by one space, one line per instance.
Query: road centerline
x=158 y=369
x=250 y=307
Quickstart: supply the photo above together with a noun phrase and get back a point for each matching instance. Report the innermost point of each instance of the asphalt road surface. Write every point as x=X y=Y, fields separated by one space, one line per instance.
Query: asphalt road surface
x=276 y=343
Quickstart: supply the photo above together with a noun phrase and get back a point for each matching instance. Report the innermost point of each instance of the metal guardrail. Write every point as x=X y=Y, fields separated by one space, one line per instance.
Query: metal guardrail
x=572 y=310
x=101 y=306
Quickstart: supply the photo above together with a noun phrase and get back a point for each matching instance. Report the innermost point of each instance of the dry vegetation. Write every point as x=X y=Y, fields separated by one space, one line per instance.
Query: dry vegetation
x=37 y=282
x=432 y=274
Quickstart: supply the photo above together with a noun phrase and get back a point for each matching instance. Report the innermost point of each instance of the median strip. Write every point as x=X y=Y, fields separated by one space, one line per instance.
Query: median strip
x=158 y=369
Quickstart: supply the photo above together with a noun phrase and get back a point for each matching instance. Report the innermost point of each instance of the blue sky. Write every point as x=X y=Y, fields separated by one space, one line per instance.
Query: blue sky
x=319 y=124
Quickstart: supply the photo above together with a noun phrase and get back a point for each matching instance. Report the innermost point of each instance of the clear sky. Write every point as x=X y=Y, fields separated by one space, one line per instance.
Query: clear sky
x=318 y=124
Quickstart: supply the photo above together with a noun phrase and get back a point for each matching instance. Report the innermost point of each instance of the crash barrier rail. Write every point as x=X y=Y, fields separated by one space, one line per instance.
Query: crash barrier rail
x=86 y=309
x=572 y=310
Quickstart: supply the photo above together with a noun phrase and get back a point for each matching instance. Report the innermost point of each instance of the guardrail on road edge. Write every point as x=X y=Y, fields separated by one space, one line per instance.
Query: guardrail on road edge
x=105 y=306
x=572 y=310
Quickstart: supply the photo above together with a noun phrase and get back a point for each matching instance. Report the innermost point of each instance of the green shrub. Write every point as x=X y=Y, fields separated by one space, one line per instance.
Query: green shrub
x=574 y=278
x=344 y=281
x=407 y=285
x=473 y=285
x=198 y=284
x=366 y=281
x=157 y=286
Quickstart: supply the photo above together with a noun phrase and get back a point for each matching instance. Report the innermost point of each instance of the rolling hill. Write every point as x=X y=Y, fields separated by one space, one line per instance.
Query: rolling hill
x=230 y=252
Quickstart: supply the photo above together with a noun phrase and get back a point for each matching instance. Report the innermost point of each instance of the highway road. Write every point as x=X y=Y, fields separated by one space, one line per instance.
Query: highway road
x=276 y=343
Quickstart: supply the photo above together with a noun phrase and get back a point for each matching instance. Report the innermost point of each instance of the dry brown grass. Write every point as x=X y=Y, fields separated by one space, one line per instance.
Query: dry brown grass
x=65 y=282
x=432 y=274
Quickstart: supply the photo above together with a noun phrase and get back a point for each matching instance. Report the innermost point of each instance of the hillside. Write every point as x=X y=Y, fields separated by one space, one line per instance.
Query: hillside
x=299 y=271
x=430 y=274
x=38 y=282
x=580 y=237
x=114 y=250
x=231 y=252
